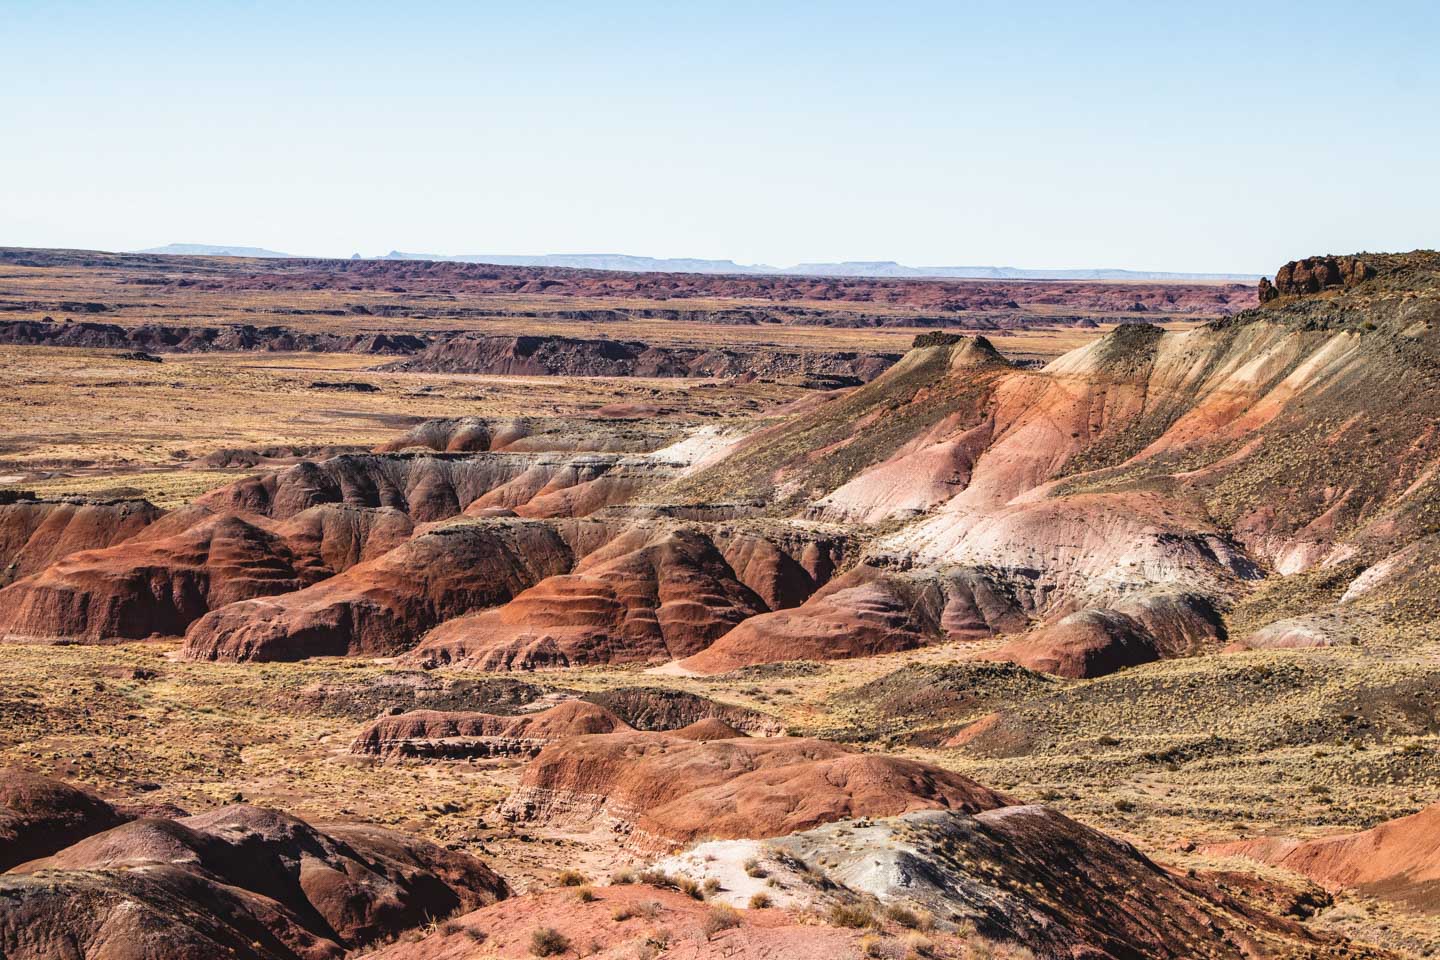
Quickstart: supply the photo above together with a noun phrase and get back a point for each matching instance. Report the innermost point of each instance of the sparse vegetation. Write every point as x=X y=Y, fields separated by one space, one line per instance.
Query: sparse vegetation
x=548 y=942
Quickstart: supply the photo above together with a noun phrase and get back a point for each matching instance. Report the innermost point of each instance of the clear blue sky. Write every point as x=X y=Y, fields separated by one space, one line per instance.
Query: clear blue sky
x=1199 y=136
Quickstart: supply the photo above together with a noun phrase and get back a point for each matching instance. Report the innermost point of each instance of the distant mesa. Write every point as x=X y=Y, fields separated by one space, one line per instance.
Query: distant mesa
x=848 y=268
x=630 y=263
x=215 y=250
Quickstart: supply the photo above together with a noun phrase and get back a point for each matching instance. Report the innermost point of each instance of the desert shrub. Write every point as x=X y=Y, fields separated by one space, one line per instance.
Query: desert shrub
x=853 y=915
x=585 y=894
x=623 y=877
x=720 y=917
x=711 y=885
x=689 y=887
x=649 y=909
x=760 y=901
x=548 y=942
x=881 y=948
x=902 y=915
x=920 y=945
x=753 y=869
x=572 y=878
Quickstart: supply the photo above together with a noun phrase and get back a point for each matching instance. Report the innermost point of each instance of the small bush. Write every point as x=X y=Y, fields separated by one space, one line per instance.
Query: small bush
x=572 y=878
x=1125 y=806
x=920 y=945
x=881 y=948
x=761 y=901
x=690 y=888
x=720 y=917
x=623 y=877
x=753 y=869
x=585 y=894
x=902 y=915
x=711 y=886
x=548 y=942
x=649 y=909
x=853 y=915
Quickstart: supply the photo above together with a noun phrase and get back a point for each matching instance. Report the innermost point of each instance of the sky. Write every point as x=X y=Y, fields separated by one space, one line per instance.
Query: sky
x=1195 y=137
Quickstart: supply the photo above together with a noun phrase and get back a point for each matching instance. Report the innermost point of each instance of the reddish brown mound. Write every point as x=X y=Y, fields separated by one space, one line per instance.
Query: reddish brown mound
x=161 y=581
x=534 y=435
x=651 y=917
x=381 y=605
x=456 y=734
x=783 y=564
x=1092 y=643
x=39 y=815
x=711 y=728
x=571 y=485
x=1398 y=860
x=139 y=588
x=861 y=613
x=647 y=595
x=241 y=881
x=35 y=533
x=662 y=708
x=427 y=488
x=661 y=789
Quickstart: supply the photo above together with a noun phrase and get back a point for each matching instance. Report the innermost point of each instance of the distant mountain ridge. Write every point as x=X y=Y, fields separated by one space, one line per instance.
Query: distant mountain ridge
x=632 y=264
x=215 y=250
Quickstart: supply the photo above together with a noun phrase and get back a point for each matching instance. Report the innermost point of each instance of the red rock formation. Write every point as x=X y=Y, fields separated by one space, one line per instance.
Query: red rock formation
x=458 y=734
x=35 y=533
x=160 y=586
x=381 y=605
x=534 y=435
x=241 y=881
x=660 y=789
x=186 y=564
x=1094 y=642
x=39 y=815
x=862 y=613
x=1313 y=274
x=1397 y=860
x=506 y=930
x=647 y=595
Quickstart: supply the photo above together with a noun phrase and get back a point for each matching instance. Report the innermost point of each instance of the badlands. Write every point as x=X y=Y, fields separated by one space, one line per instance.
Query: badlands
x=435 y=610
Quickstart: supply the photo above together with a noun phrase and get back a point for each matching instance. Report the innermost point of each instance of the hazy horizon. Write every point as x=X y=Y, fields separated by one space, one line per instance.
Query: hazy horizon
x=1198 y=140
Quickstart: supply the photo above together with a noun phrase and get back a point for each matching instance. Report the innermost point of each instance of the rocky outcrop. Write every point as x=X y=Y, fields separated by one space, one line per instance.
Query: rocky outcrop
x=436 y=734
x=1025 y=876
x=862 y=613
x=535 y=435
x=240 y=881
x=1094 y=642
x=36 y=532
x=1314 y=274
x=380 y=606
x=158 y=338
x=576 y=357
x=161 y=582
x=1397 y=860
x=649 y=594
x=663 y=708
x=435 y=487
x=40 y=815
x=159 y=586
x=659 y=789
